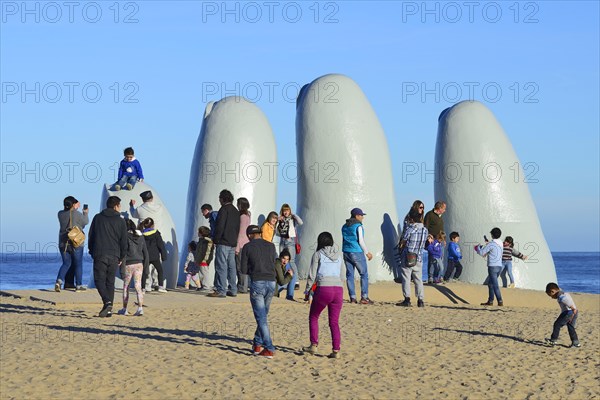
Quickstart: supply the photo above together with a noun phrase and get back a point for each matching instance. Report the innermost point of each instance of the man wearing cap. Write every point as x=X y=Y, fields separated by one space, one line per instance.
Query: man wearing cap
x=148 y=209
x=258 y=261
x=355 y=250
x=107 y=245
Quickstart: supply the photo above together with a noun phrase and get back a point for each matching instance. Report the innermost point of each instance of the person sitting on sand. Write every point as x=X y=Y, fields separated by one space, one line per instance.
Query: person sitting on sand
x=325 y=270
x=282 y=268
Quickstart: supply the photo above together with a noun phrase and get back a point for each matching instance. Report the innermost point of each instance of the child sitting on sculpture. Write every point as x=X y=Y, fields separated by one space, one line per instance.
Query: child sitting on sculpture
x=130 y=171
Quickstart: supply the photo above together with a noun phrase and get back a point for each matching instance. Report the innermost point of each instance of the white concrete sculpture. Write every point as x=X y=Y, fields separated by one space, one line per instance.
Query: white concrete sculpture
x=484 y=185
x=343 y=162
x=235 y=151
x=162 y=220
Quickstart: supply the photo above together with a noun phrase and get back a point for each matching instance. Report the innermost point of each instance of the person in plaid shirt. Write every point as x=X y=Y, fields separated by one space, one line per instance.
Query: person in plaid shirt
x=413 y=242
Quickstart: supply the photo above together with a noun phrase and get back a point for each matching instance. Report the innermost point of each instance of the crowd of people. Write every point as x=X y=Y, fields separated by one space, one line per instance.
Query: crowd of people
x=247 y=261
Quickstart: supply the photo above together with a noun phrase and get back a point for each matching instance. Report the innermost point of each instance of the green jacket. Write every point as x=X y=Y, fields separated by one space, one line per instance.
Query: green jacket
x=282 y=277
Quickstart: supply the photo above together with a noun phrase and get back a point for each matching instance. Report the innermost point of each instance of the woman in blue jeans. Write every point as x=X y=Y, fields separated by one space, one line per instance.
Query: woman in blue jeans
x=286 y=230
x=71 y=256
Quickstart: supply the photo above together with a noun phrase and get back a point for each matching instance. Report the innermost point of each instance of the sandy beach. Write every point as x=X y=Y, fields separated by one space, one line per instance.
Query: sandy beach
x=190 y=346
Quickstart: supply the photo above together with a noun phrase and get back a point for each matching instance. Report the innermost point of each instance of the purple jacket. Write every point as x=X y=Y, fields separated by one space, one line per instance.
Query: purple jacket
x=434 y=249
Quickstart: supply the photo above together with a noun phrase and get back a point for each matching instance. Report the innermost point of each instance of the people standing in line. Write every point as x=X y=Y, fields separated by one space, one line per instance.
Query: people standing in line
x=211 y=216
x=243 y=206
x=568 y=315
x=225 y=238
x=107 y=245
x=356 y=255
x=419 y=207
x=325 y=270
x=148 y=209
x=508 y=252
x=258 y=261
x=205 y=251
x=286 y=229
x=135 y=260
x=413 y=242
x=71 y=256
x=434 y=251
x=157 y=252
x=268 y=227
x=434 y=223
x=284 y=274
x=191 y=268
x=454 y=267
x=493 y=250
x=130 y=171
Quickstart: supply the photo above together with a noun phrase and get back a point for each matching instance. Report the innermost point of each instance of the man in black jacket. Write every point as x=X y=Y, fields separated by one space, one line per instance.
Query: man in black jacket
x=225 y=239
x=258 y=261
x=107 y=245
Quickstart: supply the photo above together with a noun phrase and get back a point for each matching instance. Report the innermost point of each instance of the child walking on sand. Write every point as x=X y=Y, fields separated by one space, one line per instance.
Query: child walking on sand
x=191 y=268
x=508 y=252
x=568 y=315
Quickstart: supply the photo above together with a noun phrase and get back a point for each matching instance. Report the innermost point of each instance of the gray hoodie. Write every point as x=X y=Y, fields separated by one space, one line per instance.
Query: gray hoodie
x=314 y=274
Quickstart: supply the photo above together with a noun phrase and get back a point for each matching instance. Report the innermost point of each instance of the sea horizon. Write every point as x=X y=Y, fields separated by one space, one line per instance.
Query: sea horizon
x=577 y=271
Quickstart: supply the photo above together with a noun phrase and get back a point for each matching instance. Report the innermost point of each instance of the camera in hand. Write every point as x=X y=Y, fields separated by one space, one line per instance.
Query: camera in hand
x=85 y=206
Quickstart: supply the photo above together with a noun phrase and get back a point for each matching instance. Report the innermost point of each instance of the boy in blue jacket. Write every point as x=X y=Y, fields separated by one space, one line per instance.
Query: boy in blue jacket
x=454 y=268
x=130 y=171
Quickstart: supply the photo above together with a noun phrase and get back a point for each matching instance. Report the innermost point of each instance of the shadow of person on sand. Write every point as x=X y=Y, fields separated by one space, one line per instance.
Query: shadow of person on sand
x=453 y=297
x=211 y=338
x=498 y=335
x=19 y=309
x=472 y=308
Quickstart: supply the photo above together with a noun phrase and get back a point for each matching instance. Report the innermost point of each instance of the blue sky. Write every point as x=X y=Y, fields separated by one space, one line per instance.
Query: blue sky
x=79 y=84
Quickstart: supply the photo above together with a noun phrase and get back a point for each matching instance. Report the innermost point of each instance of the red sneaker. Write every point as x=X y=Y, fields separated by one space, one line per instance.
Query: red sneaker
x=256 y=349
x=266 y=353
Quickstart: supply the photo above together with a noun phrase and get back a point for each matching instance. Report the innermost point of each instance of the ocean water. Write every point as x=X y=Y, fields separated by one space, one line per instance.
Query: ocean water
x=577 y=272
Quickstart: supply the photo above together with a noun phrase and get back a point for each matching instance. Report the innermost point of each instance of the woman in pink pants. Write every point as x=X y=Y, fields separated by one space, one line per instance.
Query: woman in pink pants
x=325 y=272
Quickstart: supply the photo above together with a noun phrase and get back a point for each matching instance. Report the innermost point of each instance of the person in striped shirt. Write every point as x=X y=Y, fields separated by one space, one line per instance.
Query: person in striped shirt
x=508 y=252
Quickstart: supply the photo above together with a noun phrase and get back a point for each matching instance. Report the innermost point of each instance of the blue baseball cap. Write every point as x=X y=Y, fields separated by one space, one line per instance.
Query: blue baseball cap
x=357 y=211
